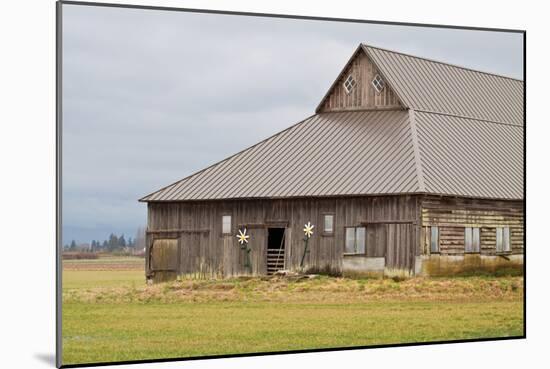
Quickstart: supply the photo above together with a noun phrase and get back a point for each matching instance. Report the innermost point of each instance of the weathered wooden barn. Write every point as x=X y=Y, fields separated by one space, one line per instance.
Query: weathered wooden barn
x=409 y=166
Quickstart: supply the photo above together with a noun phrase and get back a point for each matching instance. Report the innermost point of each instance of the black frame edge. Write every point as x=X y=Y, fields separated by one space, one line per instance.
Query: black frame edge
x=58 y=168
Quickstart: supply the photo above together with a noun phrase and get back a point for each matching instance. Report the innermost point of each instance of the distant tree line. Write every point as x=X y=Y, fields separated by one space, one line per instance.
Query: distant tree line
x=114 y=243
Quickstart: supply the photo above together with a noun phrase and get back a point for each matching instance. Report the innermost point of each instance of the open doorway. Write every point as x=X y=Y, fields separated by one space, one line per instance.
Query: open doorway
x=275 y=250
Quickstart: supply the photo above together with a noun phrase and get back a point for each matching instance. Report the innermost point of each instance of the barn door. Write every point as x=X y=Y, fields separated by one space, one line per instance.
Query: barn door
x=258 y=246
x=164 y=259
x=400 y=248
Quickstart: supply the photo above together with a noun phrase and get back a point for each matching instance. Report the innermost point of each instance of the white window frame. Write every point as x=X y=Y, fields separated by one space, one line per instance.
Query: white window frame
x=378 y=83
x=331 y=229
x=349 y=84
x=357 y=250
x=226 y=228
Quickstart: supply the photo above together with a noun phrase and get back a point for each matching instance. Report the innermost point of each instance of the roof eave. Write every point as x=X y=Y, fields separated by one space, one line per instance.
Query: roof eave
x=416 y=193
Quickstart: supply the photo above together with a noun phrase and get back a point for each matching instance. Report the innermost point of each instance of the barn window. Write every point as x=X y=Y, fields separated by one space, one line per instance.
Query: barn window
x=349 y=84
x=226 y=224
x=329 y=223
x=434 y=239
x=503 y=239
x=355 y=240
x=378 y=83
x=471 y=239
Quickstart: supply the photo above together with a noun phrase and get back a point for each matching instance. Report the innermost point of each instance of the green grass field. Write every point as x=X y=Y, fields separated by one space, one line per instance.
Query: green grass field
x=110 y=315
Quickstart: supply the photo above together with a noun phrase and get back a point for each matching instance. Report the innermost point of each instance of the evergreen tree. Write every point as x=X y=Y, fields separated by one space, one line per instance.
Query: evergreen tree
x=73 y=245
x=113 y=242
x=121 y=241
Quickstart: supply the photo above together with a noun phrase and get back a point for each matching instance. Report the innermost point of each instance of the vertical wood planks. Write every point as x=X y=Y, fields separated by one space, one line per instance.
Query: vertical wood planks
x=363 y=96
x=205 y=252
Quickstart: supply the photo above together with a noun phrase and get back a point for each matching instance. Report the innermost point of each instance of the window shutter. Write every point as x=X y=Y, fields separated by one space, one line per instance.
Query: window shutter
x=360 y=240
x=475 y=240
x=350 y=240
x=468 y=239
x=434 y=244
x=506 y=239
x=499 y=240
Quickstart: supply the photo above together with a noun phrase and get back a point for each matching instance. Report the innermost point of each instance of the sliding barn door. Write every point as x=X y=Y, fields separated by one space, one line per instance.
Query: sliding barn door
x=400 y=248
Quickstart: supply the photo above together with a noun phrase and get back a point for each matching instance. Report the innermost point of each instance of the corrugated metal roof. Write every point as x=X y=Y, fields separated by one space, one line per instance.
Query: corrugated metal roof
x=462 y=136
x=329 y=154
x=465 y=157
x=433 y=86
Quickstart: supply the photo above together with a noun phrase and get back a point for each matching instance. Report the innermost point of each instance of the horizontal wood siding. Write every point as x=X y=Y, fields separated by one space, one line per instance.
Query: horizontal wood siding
x=206 y=252
x=363 y=96
x=452 y=215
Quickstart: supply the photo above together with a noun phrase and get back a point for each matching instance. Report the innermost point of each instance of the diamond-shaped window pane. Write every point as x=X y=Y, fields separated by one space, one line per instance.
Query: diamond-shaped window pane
x=349 y=84
x=378 y=83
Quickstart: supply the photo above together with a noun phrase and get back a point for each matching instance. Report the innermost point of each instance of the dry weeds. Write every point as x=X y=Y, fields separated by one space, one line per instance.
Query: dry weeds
x=321 y=290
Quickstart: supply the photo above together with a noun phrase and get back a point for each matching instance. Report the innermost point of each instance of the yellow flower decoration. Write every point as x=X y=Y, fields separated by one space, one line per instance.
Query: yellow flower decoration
x=243 y=237
x=308 y=230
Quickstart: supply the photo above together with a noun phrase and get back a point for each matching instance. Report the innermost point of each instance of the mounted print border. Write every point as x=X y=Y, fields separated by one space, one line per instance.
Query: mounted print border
x=372 y=185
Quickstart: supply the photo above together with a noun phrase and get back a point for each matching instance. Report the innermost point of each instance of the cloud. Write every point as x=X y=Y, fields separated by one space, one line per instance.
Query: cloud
x=150 y=97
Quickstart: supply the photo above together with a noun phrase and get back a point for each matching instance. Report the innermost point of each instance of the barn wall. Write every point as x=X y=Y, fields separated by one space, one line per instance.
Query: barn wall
x=363 y=96
x=391 y=223
x=452 y=215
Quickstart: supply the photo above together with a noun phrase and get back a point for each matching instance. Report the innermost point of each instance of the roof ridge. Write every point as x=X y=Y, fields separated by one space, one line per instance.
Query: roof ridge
x=416 y=150
x=467 y=117
x=442 y=62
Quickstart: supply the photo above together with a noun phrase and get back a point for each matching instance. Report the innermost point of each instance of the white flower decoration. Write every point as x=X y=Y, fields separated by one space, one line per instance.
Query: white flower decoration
x=243 y=237
x=308 y=230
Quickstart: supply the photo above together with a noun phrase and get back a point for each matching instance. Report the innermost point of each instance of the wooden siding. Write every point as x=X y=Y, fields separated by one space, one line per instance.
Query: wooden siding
x=391 y=223
x=452 y=215
x=363 y=96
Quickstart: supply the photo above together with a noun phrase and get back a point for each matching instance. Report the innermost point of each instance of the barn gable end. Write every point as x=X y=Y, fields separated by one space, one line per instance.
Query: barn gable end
x=363 y=95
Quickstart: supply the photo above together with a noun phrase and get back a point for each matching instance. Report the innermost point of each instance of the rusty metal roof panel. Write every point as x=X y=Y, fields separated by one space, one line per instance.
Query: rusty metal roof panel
x=432 y=86
x=329 y=154
x=465 y=157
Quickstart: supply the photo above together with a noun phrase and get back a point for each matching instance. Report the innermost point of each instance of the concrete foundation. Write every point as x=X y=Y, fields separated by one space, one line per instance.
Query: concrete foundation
x=363 y=266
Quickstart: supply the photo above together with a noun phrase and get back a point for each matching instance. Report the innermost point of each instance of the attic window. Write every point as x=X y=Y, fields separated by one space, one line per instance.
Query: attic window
x=378 y=83
x=349 y=84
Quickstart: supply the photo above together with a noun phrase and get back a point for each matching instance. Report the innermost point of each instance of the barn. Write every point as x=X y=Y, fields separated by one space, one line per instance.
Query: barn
x=409 y=166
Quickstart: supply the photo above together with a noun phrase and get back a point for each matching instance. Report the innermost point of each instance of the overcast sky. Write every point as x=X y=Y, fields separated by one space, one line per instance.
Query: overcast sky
x=149 y=97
